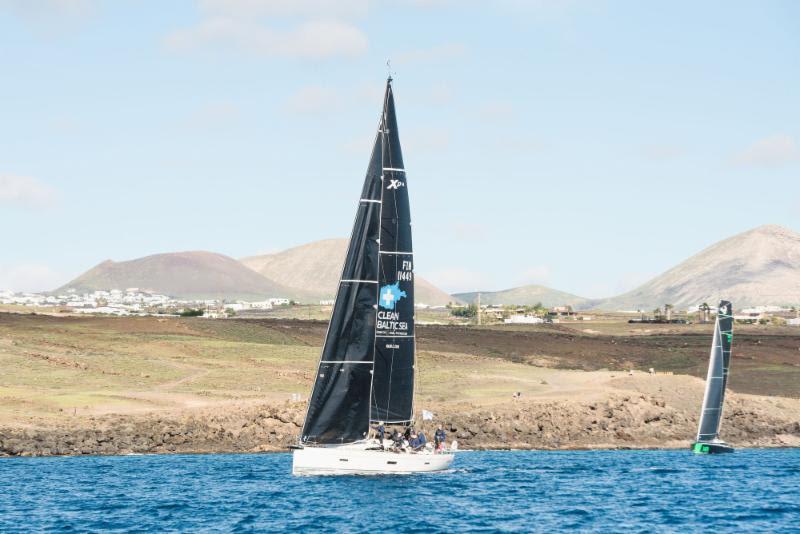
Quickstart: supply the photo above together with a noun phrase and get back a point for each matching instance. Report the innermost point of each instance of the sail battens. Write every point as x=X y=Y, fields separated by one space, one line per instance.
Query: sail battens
x=375 y=299
x=390 y=422
x=344 y=362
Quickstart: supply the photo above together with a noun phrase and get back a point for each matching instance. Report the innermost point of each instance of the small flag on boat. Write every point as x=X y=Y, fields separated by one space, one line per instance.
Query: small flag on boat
x=427 y=416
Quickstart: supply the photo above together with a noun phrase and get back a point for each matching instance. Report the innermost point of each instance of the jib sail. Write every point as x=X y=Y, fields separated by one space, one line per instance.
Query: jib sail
x=717 y=380
x=366 y=371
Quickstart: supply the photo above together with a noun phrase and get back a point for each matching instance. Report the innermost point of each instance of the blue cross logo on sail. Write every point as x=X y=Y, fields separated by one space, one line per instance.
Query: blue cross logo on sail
x=390 y=295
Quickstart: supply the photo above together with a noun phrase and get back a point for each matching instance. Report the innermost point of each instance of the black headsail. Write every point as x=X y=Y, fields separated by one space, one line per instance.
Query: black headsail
x=366 y=370
x=717 y=381
x=393 y=379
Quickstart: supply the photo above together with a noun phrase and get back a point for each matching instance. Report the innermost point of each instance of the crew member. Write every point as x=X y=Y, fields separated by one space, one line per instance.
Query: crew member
x=439 y=438
x=381 y=430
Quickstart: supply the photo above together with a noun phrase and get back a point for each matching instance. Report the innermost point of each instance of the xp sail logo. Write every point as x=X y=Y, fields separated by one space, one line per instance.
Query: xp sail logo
x=395 y=184
x=390 y=295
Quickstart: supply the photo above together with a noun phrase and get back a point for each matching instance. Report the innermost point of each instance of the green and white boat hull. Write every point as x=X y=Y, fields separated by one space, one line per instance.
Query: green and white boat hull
x=701 y=447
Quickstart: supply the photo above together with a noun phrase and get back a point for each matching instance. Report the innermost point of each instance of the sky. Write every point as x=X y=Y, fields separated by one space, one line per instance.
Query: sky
x=582 y=145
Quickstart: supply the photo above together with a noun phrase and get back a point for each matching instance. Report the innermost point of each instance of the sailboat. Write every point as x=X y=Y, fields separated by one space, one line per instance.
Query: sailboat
x=366 y=371
x=708 y=441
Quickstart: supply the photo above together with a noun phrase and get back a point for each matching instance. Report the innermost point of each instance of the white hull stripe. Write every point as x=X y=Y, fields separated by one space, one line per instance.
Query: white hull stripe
x=409 y=337
x=361 y=281
x=370 y=200
x=396 y=252
x=393 y=169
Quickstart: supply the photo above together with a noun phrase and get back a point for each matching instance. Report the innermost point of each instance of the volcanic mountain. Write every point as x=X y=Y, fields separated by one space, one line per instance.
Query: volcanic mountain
x=525 y=296
x=315 y=267
x=189 y=275
x=757 y=267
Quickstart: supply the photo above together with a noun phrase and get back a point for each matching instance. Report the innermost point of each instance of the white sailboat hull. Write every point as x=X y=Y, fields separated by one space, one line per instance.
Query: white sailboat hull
x=357 y=460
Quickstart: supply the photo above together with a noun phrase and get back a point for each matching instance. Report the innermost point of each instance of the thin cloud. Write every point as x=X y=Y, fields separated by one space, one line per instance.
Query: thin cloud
x=29 y=277
x=25 y=191
x=662 y=152
x=359 y=145
x=440 y=94
x=459 y=280
x=466 y=231
x=314 y=39
x=770 y=152
x=496 y=109
x=51 y=17
x=538 y=274
x=285 y=8
x=433 y=54
x=37 y=10
x=426 y=140
x=313 y=99
x=214 y=115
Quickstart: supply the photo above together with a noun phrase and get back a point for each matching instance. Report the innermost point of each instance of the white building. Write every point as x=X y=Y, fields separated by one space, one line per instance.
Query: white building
x=523 y=319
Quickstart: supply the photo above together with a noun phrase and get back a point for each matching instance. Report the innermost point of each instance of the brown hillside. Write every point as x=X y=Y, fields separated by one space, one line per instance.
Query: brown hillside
x=194 y=275
x=757 y=267
x=316 y=266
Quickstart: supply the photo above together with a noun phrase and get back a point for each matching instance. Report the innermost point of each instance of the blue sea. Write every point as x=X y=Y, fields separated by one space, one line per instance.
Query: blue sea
x=631 y=491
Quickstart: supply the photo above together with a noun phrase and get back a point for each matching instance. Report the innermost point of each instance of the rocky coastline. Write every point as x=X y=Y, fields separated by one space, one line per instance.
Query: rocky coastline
x=621 y=421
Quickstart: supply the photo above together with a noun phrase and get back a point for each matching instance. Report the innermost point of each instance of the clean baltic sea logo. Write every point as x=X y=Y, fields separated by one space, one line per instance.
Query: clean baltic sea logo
x=390 y=295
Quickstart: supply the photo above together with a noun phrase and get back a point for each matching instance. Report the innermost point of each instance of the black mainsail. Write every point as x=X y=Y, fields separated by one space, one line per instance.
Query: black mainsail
x=366 y=371
x=717 y=380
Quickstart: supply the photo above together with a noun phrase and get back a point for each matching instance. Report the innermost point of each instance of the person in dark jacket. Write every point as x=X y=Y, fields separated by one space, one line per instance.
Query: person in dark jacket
x=381 y=431
x=421 y=441
x=414 y=443
x=439 y=437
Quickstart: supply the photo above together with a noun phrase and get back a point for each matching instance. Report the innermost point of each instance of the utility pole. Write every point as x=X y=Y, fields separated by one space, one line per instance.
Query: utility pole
x=479 y=309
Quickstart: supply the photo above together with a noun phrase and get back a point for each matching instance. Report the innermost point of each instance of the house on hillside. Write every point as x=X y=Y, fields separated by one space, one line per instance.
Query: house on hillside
x=562 y=311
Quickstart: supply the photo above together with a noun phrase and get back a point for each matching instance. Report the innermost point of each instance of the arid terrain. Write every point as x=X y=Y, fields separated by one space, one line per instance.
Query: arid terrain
x=97 y=385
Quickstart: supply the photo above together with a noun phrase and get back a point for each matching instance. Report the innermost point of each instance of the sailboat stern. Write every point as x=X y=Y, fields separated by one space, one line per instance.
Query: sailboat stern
x=702 y=447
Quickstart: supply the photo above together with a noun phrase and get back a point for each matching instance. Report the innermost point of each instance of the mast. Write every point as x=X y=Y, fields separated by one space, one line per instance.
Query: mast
x=717 y=379
x=366 y=362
